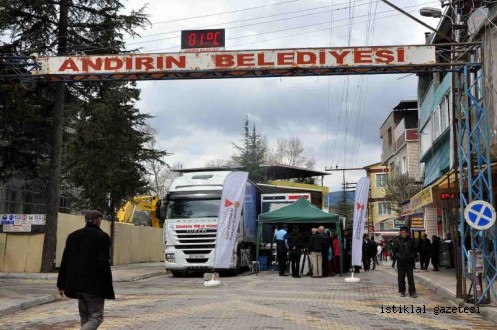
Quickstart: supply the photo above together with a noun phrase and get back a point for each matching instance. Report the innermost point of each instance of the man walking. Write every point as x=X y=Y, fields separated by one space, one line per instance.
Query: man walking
x=85 y=272
x=404 y=249
x=282 y=249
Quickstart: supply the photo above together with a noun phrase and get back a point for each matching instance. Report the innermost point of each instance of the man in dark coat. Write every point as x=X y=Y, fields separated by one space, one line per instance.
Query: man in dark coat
x=295 y=246
x=85 y=272
x=435 y=252
x=424 y=252
x=404 y=248
x=346 y=251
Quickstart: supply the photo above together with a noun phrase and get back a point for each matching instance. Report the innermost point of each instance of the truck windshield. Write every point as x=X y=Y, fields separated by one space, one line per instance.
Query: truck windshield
x=193 y=208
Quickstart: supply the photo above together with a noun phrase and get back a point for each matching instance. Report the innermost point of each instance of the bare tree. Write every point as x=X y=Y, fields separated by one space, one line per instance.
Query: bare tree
x=290 y=151
x=160 y=173
x=221 y=163
x=400 y=188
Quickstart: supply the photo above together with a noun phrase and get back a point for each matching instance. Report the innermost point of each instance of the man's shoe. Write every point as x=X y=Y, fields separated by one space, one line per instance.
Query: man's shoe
x=402 y=294
x=413 y=295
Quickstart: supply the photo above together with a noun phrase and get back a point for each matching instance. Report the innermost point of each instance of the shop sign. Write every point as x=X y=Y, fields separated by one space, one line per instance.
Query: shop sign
x=399 y=222
x=417 y=221
x=424 y=197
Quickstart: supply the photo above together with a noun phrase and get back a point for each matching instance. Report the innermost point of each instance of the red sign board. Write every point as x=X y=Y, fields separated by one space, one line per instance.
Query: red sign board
x=194 y=39
x=448 y=195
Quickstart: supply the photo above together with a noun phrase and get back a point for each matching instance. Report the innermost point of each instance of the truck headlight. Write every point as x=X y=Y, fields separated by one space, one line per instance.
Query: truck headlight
x=170 y=257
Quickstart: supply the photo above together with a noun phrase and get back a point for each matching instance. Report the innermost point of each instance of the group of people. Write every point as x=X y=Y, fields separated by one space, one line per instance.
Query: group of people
x=425 y=251
x=320 y=245
x=369 y=252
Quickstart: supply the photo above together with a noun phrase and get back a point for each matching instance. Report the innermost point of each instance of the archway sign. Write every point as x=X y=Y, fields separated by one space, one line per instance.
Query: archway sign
x=218 y=64
x=242 y=64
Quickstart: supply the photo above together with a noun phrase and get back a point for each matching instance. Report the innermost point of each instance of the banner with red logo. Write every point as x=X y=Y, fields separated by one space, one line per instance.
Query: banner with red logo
x=230 y=213
x=360 y=214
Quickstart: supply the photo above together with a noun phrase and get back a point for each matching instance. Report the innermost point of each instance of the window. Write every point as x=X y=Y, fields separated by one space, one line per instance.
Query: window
x=384 y=208
x=381 y=180
x=445 y=107
x=193 y=208
x=440 y=117
x=389 y=136
x=403 y=165
x=437 y=128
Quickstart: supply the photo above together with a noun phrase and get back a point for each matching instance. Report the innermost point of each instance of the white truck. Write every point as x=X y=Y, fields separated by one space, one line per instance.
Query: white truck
x=190 y=225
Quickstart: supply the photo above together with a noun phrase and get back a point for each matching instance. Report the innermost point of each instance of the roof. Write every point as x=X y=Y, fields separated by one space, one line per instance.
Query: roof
x=280 y=172
x=406 y=105
x=302 y=211
x=273 y=172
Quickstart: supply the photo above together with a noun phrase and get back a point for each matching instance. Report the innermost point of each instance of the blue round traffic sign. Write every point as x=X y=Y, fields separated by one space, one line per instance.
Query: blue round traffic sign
x=480 y=215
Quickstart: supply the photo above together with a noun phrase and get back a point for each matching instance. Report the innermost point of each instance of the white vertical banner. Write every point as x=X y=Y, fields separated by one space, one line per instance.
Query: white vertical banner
x=360 y=214
x=230 y=212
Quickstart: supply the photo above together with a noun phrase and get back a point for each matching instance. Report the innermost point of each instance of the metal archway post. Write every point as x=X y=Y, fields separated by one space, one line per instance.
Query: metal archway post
x=475 y=183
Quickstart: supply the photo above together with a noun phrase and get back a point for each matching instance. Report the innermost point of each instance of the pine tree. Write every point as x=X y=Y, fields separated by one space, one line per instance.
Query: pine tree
x=71 y=27
x=252 y=154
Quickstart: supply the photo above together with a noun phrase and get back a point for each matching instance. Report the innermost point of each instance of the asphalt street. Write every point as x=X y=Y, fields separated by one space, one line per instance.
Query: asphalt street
x=265 y=301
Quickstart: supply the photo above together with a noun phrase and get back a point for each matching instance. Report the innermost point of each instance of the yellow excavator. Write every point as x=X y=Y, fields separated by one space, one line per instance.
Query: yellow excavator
x=140 y=211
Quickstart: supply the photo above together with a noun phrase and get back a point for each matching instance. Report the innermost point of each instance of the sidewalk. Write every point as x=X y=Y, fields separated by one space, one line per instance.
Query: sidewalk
x=20 y=291
x=444 y=282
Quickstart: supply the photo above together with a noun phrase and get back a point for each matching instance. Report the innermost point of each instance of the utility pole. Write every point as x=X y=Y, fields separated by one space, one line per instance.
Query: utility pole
x=346 y=186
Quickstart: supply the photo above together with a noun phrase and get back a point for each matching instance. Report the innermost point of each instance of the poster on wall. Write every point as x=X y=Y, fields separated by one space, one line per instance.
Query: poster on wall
x=22 y=223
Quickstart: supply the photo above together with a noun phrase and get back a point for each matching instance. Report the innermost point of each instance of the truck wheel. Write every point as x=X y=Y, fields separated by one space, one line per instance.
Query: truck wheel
x=177 y=273
x=238 y=266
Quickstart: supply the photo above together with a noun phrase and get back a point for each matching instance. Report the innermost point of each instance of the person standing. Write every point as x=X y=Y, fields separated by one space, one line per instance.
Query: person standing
x=373 y=249
x=325 y=240
x=336 y=255
x=282 y=249
x=425 y=247
x=85 y=272
x=404 y=249
x=315 y=248
x=295 y=246
x=435 y=252
x=366 y=256
x=347 y=251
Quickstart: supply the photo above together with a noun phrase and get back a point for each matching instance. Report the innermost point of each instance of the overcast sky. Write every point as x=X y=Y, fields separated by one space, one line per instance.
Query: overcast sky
x=337 y=118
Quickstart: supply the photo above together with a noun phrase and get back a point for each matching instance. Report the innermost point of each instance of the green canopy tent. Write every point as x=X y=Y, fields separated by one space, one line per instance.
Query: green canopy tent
x=300 y=212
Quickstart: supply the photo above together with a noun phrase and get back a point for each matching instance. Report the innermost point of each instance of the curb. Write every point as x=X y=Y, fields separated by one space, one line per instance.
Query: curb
x=29 y=276
x=53 y=276
x=52 y=297
x=138 y=277
x=488 y=313
x=28 y=304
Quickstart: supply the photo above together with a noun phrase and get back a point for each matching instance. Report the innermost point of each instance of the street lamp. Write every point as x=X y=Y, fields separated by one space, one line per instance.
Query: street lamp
x=431 y=12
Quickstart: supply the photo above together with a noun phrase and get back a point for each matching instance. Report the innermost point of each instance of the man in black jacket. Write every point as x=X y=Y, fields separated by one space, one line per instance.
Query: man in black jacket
x=85 y=272
x=295 y=246
x=404 y=249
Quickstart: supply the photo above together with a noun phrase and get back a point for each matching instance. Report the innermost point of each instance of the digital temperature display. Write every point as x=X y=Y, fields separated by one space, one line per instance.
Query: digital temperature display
x=192 y=39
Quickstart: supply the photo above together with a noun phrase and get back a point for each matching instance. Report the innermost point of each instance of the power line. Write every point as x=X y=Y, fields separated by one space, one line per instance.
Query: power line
x=236 y=27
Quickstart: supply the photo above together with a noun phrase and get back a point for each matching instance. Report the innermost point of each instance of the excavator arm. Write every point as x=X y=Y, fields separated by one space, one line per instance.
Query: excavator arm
x=148 y=204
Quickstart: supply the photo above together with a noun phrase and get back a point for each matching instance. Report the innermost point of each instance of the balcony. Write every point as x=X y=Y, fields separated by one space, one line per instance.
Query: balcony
x=409 y=135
